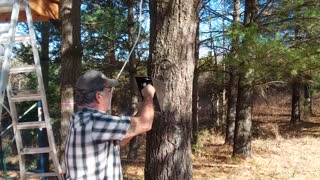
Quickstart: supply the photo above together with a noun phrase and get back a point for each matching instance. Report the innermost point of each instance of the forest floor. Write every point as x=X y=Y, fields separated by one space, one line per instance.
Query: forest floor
x=279 y=150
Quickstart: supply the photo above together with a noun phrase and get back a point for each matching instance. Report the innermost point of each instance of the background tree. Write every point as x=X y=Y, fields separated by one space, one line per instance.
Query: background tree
x=195 y=88
x=233 y=80
x=135 y=142
x=242 y=137
x=44 y=61
x=70 y=64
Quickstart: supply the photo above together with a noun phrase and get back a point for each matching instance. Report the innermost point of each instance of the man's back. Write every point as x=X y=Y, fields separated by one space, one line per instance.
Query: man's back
x=92 y=148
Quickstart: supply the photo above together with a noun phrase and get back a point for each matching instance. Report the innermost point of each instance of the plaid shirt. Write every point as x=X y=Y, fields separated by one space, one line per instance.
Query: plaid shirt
x=92 y=149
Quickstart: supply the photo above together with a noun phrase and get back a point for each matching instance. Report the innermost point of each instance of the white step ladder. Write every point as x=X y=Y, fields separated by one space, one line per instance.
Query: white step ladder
x=8 y=40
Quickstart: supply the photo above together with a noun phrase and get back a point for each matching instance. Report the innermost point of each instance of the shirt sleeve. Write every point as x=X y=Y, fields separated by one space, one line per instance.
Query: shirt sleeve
x=108 y=127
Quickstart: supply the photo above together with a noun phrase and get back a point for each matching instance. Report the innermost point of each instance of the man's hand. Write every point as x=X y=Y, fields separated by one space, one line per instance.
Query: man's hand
x=142 y=121
x=148 y=91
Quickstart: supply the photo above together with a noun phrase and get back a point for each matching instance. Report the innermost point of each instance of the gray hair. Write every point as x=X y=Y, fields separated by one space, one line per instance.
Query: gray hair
x=83 y=97
x=89 y=84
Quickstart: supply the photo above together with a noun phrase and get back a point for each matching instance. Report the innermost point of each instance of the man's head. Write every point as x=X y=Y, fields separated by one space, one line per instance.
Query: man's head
x=93 y=87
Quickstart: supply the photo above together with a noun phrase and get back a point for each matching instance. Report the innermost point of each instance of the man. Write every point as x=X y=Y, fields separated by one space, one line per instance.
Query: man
x=92 y=146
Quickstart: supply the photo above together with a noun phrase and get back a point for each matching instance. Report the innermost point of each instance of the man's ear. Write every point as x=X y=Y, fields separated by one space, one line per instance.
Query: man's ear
x=98 y=97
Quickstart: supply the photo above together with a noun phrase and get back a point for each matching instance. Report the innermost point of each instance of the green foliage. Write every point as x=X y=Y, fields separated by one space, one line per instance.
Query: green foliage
x=203 y=138
x=288 y=49
x=53 y=91
x=104 y=30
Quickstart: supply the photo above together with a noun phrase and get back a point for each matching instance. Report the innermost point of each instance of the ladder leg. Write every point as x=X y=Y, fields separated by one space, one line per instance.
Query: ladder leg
x=18 y=139
x=15 y=98
x=8 y=52
x=17 y=134
x=4 y=82
x=42 y=91
x=22 y=166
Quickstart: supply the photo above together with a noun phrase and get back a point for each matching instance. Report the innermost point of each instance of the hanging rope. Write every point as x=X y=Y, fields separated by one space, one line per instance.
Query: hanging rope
x=131 y=51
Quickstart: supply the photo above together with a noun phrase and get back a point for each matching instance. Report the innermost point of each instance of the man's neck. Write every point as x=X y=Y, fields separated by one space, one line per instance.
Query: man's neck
x=93 y=106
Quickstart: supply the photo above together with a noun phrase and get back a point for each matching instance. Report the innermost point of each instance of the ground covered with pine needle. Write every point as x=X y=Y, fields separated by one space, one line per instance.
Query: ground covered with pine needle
x=279 y=150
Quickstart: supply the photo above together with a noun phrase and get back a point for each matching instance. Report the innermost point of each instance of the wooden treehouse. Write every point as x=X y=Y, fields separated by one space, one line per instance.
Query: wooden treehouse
x=42 y=10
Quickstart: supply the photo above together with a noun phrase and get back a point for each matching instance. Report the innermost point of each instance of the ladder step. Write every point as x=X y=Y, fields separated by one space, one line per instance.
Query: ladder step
x=35 y=150
x=26 y=97
x=22 y=69
x=4 y=29
x=6 y=6
x=18 y=38
x=6 y=2
x=31 y=125
x=47 y=174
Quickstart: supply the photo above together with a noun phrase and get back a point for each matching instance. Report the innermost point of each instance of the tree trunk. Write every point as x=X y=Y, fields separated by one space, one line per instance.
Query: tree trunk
x=242 y=136
x=172 y=56
x=44 y=61
x=233 y=82
x=111 y=42
x=217 y=122
x=45 y=53
x=307 y=101
x=232 y=103
x=295 y=103
x=70 y=64
x=135 y=142
x=195 y=90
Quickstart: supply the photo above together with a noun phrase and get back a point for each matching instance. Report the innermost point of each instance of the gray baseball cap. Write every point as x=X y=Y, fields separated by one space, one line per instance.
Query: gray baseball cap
x=94 y=80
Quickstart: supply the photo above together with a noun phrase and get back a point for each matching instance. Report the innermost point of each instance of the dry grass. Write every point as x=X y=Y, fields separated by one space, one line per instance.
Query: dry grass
x=295 y=158
x=279 y=150
x=281 y=158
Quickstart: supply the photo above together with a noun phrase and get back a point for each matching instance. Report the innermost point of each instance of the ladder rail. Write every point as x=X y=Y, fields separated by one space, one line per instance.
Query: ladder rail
x=41 y=87
x=5 y=88
x=8 y=52
x=17 y=133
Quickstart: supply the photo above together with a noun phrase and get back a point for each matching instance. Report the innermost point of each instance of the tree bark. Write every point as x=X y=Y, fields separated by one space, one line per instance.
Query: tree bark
x=45 y=53
x=172 y=56
x=111 y=42
x=242 y=137
x=232 y=103
x=135 y=142
x=295 y=103
x=44 y=61
x=308 y=100
x=70 y=64
x=195 y=90
x=233 y=82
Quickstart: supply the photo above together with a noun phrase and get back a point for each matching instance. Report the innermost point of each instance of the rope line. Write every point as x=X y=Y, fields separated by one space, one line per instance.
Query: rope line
x=131 y=51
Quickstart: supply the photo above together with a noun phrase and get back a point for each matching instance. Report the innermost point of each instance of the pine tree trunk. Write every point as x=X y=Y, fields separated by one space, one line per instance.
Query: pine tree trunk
x=295 y=103
x=135 y=142
x=70 y=64
x=45 y=53
x=307 y=101
x=233 y=82
x=242 y=137
x=172 y=56
x=44 y=61
x=111 y=43
x=195 y=92
x=243 y=123
x=232 y=103
x=217 y=122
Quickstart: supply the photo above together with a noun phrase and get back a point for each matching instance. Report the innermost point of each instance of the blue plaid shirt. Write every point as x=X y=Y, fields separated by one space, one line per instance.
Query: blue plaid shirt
x=92 y=149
